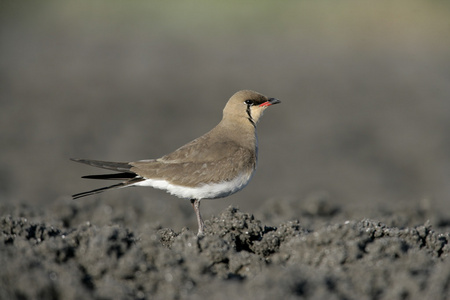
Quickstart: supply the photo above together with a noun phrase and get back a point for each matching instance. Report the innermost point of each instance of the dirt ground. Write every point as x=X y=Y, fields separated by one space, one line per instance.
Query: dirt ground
x=55 y=255
x=351 y=196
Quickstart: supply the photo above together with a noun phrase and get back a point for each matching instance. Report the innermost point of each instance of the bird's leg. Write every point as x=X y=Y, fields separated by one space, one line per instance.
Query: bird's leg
x=196 y=205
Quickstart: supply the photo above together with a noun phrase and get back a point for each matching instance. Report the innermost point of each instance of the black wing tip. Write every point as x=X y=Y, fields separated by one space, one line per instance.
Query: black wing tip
x=116 y=176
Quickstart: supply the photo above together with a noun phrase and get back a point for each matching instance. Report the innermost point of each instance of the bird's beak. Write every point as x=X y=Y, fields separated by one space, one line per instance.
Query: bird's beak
x=271 y=101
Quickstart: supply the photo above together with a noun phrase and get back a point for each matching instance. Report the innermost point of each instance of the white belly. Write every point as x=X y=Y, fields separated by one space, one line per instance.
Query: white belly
x=204 y=191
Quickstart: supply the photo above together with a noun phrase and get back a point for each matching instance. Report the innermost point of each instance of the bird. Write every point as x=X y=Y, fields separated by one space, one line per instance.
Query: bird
x=215 y=165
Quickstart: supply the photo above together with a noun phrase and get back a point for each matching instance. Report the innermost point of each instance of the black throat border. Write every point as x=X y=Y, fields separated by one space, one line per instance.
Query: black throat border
x=249 y=113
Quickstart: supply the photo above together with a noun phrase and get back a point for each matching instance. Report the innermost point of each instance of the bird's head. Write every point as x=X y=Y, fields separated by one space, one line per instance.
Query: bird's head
x=249 y=105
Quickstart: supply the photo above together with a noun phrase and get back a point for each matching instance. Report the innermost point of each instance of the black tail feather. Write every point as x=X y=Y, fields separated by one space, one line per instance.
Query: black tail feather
x=114 y=186
x=96 y=191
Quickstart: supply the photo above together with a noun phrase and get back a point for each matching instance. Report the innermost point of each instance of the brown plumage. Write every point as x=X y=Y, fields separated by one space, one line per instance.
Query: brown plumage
x=215 y=165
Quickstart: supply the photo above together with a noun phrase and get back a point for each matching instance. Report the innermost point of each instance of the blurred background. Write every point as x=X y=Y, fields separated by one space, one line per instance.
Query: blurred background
x=365 y=90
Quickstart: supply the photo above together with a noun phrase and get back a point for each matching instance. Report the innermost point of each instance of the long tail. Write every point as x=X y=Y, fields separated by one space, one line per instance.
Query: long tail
x=110 y=165
x=114 y=186
x=128 y=177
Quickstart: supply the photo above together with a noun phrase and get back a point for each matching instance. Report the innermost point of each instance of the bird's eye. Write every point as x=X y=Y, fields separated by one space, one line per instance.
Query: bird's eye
x=249 y=102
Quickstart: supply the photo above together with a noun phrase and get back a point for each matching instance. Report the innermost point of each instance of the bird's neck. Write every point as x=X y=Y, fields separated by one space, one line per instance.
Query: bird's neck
x=240 y=130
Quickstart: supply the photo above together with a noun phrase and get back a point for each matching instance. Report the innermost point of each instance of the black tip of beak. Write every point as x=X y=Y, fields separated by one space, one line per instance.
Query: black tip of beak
x=273 y=101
